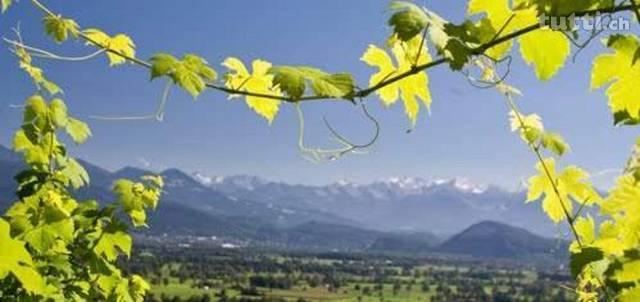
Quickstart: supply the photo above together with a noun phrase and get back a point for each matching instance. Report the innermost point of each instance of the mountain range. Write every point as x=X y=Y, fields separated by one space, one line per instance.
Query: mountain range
x=408 y=215
x=442 y=207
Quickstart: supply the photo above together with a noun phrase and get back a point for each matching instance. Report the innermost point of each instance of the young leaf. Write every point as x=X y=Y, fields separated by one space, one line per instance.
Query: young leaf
x=58 y=112
x=554 y=143
x=162 y=64
x=36 y=74
x=454 y=42
x=78 y=130
x=530 y=127
x=618 y=70
x=75 y=174
x=408 y=20
x=36 y=112
x=135 y=198
x=292 y=80
x=117 y=46
x=191 y=73
x=59 y=28
x=409 y=89
x=260 y=82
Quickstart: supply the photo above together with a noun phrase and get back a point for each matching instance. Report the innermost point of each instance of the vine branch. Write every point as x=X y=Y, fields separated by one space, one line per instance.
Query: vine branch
x=367 y=91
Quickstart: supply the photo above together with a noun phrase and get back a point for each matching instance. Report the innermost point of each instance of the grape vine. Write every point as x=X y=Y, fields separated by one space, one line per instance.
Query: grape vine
x=58 y=248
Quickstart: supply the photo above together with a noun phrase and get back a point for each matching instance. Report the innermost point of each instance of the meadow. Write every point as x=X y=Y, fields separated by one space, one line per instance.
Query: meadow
x=216 y=274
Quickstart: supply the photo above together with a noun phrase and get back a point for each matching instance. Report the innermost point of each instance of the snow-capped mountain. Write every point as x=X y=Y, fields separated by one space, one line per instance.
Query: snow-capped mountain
x=384 y=189
x=251 y=208
x=441 y=206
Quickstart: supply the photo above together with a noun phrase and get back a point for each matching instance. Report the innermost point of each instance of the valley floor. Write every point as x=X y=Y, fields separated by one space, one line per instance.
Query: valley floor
x=215 y=274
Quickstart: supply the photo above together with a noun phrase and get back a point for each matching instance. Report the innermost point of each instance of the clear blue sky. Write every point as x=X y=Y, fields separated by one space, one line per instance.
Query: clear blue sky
x=466 y=134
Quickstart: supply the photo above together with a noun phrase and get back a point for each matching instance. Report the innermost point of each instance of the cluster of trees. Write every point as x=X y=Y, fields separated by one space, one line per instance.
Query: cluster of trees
x=256 y=273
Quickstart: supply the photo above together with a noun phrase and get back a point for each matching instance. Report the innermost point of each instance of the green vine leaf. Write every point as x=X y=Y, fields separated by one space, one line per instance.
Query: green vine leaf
x=78 y=130
x=583 y=258
x=60 y=28
x=16 y=260
x=292 y=80
x=74 y=174
x=554 y=143
x=113 y=242
x=163 y=64
x=623 y=77
x=192 y=73
x=35 y=73
x=408 y=20
x=117 y=46
x=132 y=289
x=135 y=198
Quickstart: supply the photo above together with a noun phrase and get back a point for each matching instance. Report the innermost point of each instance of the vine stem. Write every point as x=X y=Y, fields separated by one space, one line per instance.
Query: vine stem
x=364 y=92
x=545 y=168
x=41 y=53
x=569 y=217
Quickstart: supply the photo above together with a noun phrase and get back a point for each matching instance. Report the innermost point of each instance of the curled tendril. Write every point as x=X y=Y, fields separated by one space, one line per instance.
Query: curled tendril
x=41 y=53
x=320 y=155
x=19 y=45
x=158 y=115
x=595 y=32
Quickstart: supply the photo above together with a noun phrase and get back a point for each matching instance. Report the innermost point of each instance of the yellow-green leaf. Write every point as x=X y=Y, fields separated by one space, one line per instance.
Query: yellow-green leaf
x=554 y=143
x=546 y=50
x=16 y=260
x=630 y=272
x=630 y=294
x=58 y=112
x=617 y=69
x=410 y=89
x=530 y=126
x=259 y=81
x=60 y=28
x=570 y=185
x=119 y=47
x=78 y=130
x=111 y=244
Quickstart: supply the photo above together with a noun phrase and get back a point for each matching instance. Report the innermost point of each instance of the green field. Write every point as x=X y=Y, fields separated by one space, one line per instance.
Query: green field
x=243 y=275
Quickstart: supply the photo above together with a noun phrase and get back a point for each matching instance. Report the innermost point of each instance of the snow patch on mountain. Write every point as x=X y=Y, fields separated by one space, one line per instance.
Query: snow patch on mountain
x=380 y=190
